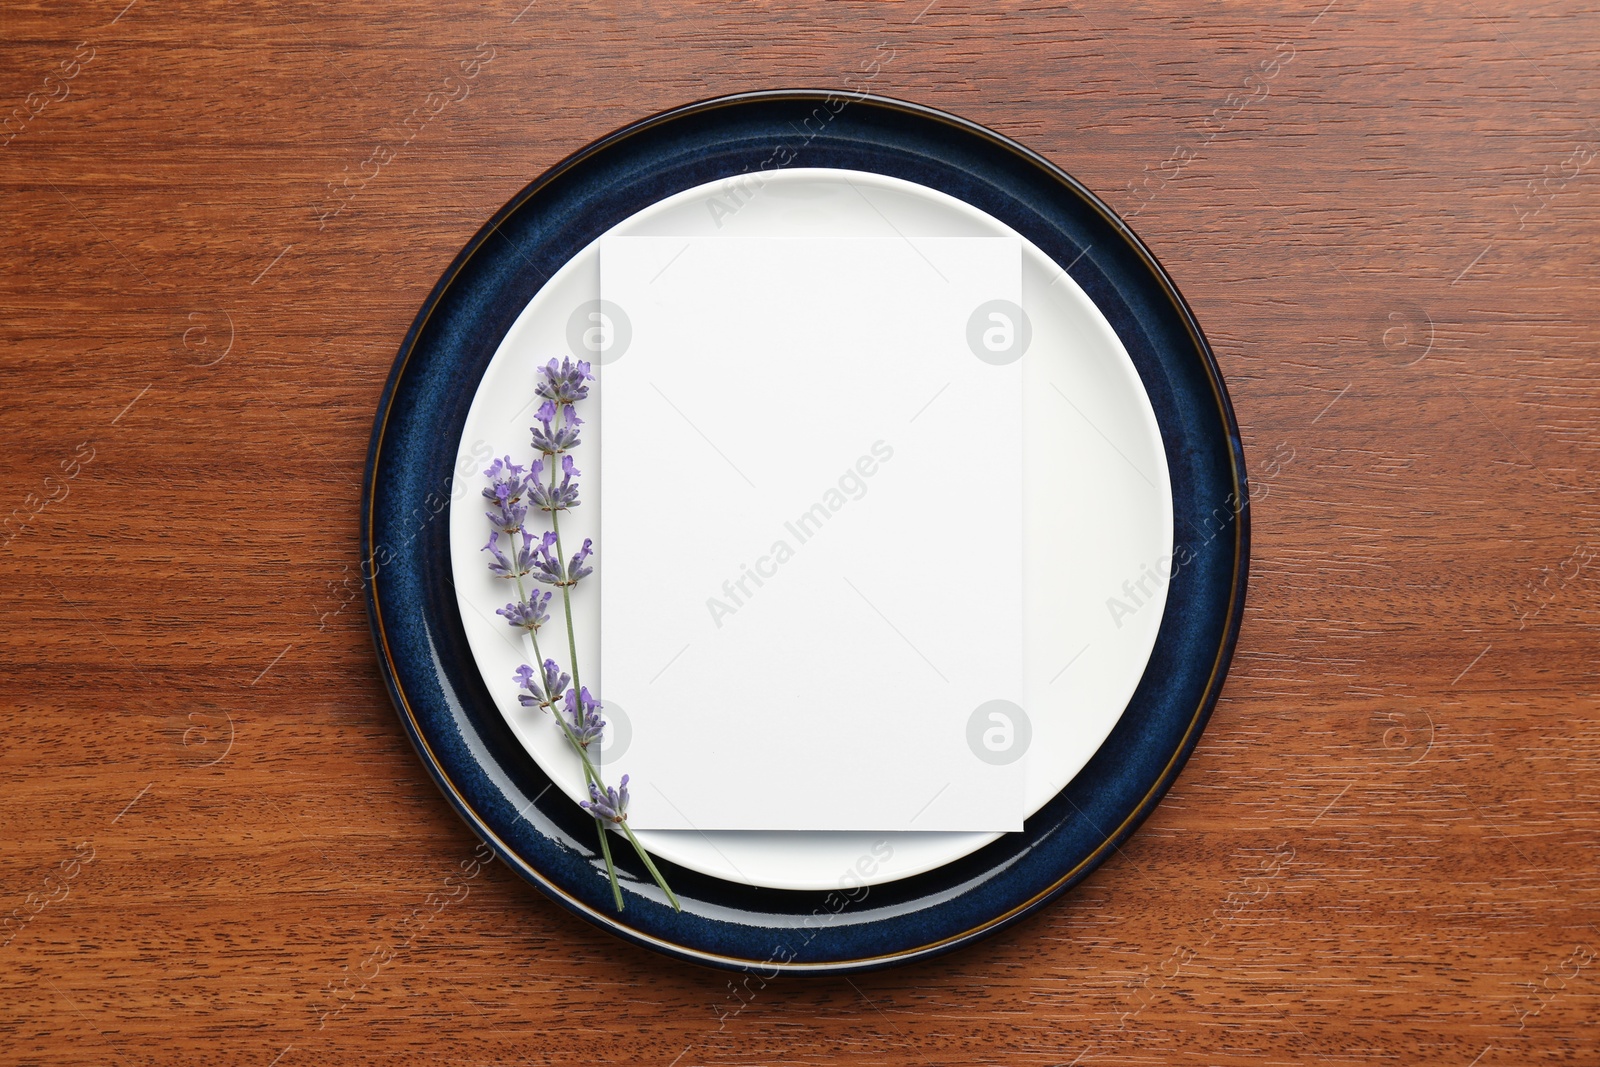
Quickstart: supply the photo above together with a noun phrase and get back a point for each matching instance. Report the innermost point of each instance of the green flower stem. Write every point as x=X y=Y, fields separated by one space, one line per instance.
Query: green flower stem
x=593 y=775
x=572 y=649
x=566 y=587
x=589 y=774
x=660 y=881
x=566 y=593
x=611 y=868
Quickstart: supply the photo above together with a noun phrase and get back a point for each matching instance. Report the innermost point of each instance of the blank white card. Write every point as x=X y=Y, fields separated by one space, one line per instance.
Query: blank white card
x=810 y=500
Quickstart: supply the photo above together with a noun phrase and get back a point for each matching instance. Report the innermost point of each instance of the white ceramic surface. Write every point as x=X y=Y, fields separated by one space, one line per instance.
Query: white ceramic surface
x=1097 y=523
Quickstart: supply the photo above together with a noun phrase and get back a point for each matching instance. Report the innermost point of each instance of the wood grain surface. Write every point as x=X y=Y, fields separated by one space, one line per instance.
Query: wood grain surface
x=219 y=220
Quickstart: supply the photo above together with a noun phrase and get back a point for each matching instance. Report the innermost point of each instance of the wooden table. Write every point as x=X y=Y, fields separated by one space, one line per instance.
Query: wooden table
x=219 y=221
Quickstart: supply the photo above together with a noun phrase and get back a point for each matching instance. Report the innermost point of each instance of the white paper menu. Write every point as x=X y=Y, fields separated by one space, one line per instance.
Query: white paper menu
x=810 y=530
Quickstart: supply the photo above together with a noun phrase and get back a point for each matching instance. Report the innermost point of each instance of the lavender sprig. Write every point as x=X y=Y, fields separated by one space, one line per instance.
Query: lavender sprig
x=513 y=493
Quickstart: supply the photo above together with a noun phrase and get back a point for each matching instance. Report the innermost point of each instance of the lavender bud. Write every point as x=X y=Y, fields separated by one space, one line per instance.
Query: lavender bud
x=501 y=567
x=528 y=614
x=612 y=805
x=564 y=384
x=550 y=438
x=584 y=711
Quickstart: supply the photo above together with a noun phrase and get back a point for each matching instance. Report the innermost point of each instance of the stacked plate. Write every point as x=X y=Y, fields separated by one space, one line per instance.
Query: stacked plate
x=1131 y=539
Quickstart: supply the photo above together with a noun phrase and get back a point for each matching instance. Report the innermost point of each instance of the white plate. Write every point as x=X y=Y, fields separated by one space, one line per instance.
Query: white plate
x=1097 y=524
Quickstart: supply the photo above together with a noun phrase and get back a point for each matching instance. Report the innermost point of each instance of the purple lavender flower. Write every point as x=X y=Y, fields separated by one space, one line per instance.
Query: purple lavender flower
x=508 y=511
x=576 y=567
x=540 y=690
x=547 y=566
x=550 y=438
x=612 y=805
x=584 y=711
x=508 y=486
x=564 y=384
x=558 y=497
x=534 y=697
x=504 y=472
x=528 y=614
x=501 y=567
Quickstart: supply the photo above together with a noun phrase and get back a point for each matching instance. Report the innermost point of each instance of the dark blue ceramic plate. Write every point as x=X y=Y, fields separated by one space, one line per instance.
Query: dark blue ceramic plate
x=461 y=736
